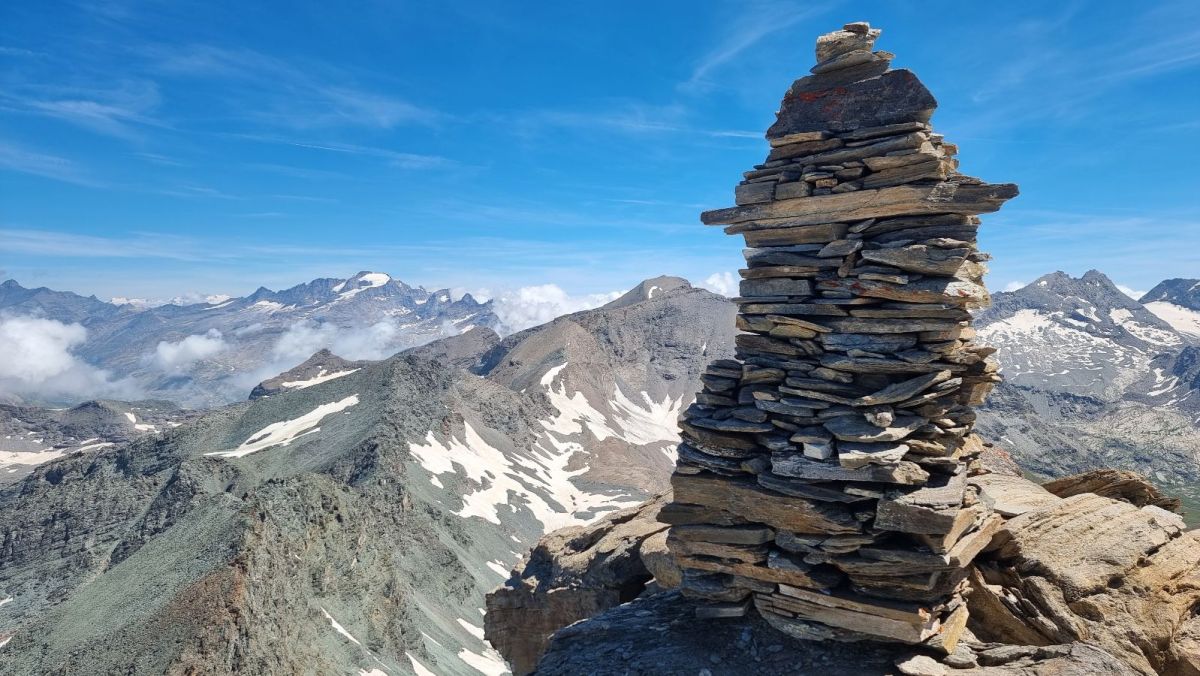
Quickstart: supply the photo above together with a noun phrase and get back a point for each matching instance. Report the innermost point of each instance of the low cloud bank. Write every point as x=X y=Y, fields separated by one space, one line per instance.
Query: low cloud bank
x=39 y=363
x=180 y=356
x=528 y=306
x=724 y=283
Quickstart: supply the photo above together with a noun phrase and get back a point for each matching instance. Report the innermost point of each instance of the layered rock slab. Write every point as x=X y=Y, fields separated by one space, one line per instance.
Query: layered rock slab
x=661 y=635
x=1092 y=568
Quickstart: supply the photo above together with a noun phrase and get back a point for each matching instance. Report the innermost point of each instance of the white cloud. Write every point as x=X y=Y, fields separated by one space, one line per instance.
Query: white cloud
x=375 y=341
x=24 y=160
x=179 y=356
x=1013 y=286
x=724 y=283
x=1131 y=292
x=532 y=305
x=39 y=362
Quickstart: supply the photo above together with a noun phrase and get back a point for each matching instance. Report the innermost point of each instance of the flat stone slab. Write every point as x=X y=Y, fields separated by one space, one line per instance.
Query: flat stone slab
x=1012 y=495
x=1084 y=541
x=940 y=198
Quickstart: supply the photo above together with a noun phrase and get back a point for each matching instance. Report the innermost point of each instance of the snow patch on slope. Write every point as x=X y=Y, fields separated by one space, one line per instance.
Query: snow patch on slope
x=540 y=478
x=1031 y=343
x=339 y=628
x=321 y=377
x=285 y=432
x=574 y=410
x=1183 y=320
x=489 y=663
x=418 y=668
x=649 y=423
x=367 y=281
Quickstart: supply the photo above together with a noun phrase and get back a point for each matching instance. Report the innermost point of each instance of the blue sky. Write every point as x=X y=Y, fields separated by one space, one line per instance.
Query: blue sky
x=156 y=148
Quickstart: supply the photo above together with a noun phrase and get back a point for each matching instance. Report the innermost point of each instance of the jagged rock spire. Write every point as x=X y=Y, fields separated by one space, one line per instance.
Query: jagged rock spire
x=824 y=476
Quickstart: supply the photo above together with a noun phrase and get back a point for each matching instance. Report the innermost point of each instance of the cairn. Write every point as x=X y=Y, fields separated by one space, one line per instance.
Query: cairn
x=823 y=474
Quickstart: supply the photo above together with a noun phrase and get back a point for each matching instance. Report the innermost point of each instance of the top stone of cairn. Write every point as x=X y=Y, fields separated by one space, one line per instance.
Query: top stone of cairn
x=850 y=88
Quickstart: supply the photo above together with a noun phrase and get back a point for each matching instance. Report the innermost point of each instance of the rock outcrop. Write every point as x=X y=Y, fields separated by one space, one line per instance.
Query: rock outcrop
x=1092 y=568
x=823 y=472
x=576 y=573
x=1080 y=585
x=661 y=635
x=1119 y=484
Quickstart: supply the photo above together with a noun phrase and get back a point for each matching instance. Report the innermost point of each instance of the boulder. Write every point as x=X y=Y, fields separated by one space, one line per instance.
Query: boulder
x=575 y=573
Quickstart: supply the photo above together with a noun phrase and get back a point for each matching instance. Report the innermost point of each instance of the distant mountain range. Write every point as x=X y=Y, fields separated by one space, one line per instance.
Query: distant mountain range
x=212 y=353
x=1094 y=378
x=351 y=517
x=428 y=473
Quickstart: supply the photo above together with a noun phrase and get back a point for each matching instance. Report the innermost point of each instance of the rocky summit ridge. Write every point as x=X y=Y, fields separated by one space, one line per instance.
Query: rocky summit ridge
x=1086 y=575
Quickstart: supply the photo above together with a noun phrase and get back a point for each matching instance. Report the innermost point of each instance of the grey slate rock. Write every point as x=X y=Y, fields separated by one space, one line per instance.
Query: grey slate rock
x=894 y=97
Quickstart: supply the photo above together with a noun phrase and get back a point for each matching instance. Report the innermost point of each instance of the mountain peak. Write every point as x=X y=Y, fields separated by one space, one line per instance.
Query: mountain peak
x=1094 y=286
x=650 y=289
x=1097 y=277
x=367 y=277
x=1177 y=291
x=321 y=367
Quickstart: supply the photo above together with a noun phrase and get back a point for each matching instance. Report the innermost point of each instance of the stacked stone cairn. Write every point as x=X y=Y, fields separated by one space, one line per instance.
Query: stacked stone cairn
x=822 y=476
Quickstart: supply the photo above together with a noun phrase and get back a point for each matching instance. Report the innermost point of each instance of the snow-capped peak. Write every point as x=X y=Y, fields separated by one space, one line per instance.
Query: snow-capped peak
x=360 y=282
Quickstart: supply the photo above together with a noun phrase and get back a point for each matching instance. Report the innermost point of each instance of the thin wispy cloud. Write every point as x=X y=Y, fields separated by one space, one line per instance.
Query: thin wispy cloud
x=27 y=161
x=395 y=158
x=286 y=93
x=161 y=160
x=754 y=22
x=1069 y=80
x=1137 y=249
x=625 y=117
x=118 y=112
x=198 y=191
x=72 y=245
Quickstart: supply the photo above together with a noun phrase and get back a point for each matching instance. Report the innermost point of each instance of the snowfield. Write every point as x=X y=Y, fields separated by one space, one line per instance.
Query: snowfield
x=286 y=431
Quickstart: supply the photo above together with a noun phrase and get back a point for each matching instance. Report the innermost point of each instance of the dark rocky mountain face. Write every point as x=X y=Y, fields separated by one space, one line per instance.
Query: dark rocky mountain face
x=1092 y=379
x=1182 y=292
x=212 y=353
x=30 y=435
x=321 y=367
x=356 y=523
x=61 y=305
x=1177 y=302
